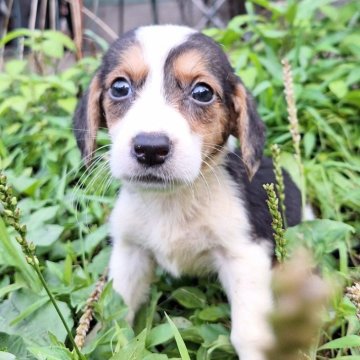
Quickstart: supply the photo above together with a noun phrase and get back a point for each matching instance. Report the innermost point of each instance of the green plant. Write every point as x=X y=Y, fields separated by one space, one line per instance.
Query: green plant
x=11 y=215
x=65 y=212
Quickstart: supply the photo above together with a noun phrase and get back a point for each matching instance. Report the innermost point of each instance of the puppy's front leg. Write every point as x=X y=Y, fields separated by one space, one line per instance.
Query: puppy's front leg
x=131 y=270
x=246 y=278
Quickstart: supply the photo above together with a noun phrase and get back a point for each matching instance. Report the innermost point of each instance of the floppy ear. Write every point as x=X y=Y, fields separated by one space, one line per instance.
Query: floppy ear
x=87 y=119
x=249 y=129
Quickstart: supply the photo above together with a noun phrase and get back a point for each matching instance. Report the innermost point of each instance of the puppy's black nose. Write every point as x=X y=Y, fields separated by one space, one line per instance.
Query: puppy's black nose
x=151 y=148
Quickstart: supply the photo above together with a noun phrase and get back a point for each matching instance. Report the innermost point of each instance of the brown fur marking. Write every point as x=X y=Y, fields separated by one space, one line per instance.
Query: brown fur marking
x=210 y=121
x=192 y=66
x=94 y=117
x=131 y=66
x=242 y=129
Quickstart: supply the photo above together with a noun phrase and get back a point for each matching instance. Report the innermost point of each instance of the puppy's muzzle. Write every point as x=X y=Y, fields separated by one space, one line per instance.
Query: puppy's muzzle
x=151 y=149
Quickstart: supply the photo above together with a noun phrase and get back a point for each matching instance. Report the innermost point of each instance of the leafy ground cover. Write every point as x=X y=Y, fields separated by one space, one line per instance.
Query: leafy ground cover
x=65 y=207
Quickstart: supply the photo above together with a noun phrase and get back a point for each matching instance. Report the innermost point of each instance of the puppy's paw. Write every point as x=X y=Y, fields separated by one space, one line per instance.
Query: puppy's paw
x=252 y=345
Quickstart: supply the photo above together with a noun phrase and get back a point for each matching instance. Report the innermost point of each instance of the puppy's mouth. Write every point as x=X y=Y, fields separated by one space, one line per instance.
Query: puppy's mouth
x=150 y=181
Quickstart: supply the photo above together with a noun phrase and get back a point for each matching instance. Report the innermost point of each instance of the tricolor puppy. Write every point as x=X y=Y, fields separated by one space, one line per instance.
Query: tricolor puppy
x=170 y=100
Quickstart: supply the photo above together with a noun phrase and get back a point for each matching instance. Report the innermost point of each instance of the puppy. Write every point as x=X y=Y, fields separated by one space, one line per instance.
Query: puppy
x=170 y=100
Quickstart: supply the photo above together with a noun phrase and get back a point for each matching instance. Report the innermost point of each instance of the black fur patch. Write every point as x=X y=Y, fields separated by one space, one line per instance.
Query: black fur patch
x=254 y=196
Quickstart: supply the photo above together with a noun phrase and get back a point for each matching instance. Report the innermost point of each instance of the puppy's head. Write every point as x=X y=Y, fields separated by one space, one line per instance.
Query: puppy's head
x=170 y=100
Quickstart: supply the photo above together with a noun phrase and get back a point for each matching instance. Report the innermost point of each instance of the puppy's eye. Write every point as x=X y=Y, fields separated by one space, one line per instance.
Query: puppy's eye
x=120 y=89
x=202 y=93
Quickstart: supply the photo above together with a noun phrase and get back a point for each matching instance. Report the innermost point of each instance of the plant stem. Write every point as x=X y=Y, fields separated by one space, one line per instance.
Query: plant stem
x=277 y=223
x=294 y=126
x=280 y=187
x=12 y=216
x=53 y=301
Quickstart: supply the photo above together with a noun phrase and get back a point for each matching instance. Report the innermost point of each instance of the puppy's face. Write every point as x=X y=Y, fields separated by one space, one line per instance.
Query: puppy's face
x=170 y=100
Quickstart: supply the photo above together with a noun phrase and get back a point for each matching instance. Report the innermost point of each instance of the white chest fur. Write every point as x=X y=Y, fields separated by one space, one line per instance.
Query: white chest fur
x=191 y=231
x=183 y=229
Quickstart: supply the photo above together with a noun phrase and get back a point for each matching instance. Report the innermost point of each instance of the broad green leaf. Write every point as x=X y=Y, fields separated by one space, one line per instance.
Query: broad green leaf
x=189 y=297
x=51 y=353
x=9 y=288
x=156 y=357
x=15 y=67
x=134 y=350
x=210 y=332
x=222 y=343
x=92 y=240
x=348 y=341
x=339 y=88
x=39 y=217
x=14 y=344
x=214 y=313
x=159 y=335
x=16 y=103
x=59 y=38
x=7 y=356
x=45 y=235
x=68 y=104
x=52 y=49
x=29 y=310
x=323 y=234
x=35 y=327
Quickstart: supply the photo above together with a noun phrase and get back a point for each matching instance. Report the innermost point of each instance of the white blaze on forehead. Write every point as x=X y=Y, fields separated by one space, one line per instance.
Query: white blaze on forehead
x=156 y=42
x=150 y=113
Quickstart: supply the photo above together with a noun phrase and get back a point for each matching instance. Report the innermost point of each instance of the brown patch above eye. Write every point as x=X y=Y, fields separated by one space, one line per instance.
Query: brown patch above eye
x=191 y=66
x=131 y=65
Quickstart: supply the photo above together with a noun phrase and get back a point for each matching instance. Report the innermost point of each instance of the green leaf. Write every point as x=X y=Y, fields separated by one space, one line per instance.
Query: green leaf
x=14 y=344
x=39 y=217
x=29 y=310
x=9 y=288
x=222 y=343
x=68 y=104
x=92 y=240
x=17 y=33
x=134 y=350
x=189 y=297
x=51 y=353
x=59 y=38
x=211 y=332
x=179 y=340
x=339 y=88
x=16 y=103
x=68 y=273
x=45 y=235
x=309 y=141
x=7 y=356
x=15 y=67
x=248 y=76
x=35 y=327
x=348 y=341
x=11 y=254
x=155 y=357
x=323 y=236
x=52 y=49
x=214 y=313
x=159 y=335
